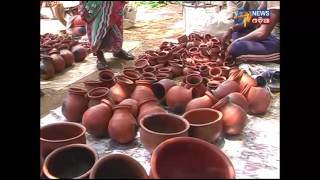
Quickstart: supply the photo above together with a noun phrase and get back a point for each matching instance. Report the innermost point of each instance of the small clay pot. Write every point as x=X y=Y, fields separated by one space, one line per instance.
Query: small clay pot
x=221 y=79
x=161 y=88
x=238 y=99
x=121 y=90
x=147 y=74
x=194 y=51
x=158 y=66
x=96 y=95
x=118 y=166
x=158 y=127
x=176 y=69
x=196 y=82
x=149 y=69
x=226 y=88
x=178 y=97
x=205 y=123
x=160 y=76
x=58 y=61
x=47 y=69
x=214 y=51
x=131 y=74
x=183 y=39
x=73 y=161
x=142 y=91
x=212 y=85
x=107 y=78
x=92 y=84
x=55 y=135
x=204 y=70
x=166 y=70
x=206 y=101
x=216 y=71
x=79 y=52
x=162 y=57
x=75 y=104
x=258 y=98
x=67 y=55
x=140 y=64
x=134 y=106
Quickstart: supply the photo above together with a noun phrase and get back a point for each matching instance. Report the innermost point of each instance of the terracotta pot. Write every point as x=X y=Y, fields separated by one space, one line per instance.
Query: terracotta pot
x=121 y=90
x=151 y=79
x=79 y=52
x=47 y=69
x=140 y=64
x=96 y=119
x=216 y=71
x=122 y=126
x=158 y=66
x=134 y=106
x=226 y=88
x=204 y=71
x=212 y=64
x=220 y=61
x=205 y=123
x=165 y=45
x=142 y=91
x=149 y=106
x=75 y=104
x=238 y=99
x=161 y=76
x=196 y=82
x=166 y=70
x=212 y=85
x=96 y=95
x=73 y=161
x=206 y=101
x=162 y=57
x=176 y=153
x=186 y=70
x=131 y=74
x=235 y=75
x=247 y=80
x=118 y=166
x=225 y=71
x=234 y=117
x=178 y=97
x=221 y=79
x=153 y=59
x=203 y=47
x=156 y=128
x=176 y=69
x=58 y=61
x=67 y=55
x=214 y=50
x=92 y=84
x=149 y=69
x=147 y=74
x=194 y=51
x=182 y=39
x=107 y=78
x=258 y=98
x=59 y=134
x=161 y=88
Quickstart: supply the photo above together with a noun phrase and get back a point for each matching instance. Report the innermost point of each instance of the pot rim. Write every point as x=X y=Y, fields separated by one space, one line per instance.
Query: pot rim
x=204 y=109
x=107 y=90
x=194 y=75
x=123 y=79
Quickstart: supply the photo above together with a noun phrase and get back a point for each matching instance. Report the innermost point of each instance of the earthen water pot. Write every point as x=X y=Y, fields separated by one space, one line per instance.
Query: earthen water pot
x=96 y=119
x=175 y=159
x=214 y=72
x=73 y=161
x=149 y=106
x=107 y=78
x=121 y=90
x=156 y=128
x=238 y=99
x=140 y=64
x=176 y=69
x=79 y=52
x=131 y=74
x=142 y=91
x=47 y=69
x=134 y=106
x=118 y=166
x=234 y=117
x=196 y=82
x=75 y=104
x=67 y=55
x=161 y=88
x=205 y=123
x=166 y=70
x=178 y=97
x=258 y=98
x=90 y=84
x=204 y=70
x=206 y=101
x=55 y=135
x=122 y=125
x=226 y=88
x=58 y=61
x=212 y=85
x=96 y=95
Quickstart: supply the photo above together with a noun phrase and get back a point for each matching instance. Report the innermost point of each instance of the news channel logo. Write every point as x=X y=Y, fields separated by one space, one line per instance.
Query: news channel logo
x=253 y=16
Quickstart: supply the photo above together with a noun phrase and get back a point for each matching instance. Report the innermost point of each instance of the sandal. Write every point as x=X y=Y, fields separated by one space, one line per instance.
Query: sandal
x=122 y=54
x=102 y=64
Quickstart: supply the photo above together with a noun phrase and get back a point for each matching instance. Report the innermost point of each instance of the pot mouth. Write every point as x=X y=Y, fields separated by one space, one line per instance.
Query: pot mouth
x=141 y=63
x=76 y=90
x=194 y=79
x=106 y=75
x=149 y=69
x=123 y=79
x=162 y=76
x=195 y=112
x=164 y=70
x=131 y=74
x=99 y=92
x=216 y=71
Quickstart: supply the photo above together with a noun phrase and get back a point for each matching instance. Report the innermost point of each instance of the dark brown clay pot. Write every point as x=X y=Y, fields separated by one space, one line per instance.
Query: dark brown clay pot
x=142 y=91
x=96 y=95
x=149 y=106
x=58 y=61
x=176 y=69
x=107 y=78
x=140 y=64
x=73 y=161
x=134 y=106
x=166 y=70
x=247 y=80
x=131 y=74
x=118 y=166
x=205 y=123
x=92 y=84
x=161 y=88
x=47 y=69
x=212 y=85
x=156 y=128
x=178 y=97
x=238 y=99
x=96 y=119
x=75 y=104
x=258 y=98
x=234 y=117
x=226 y=88
x=176 y=153
x=225 y=71
x=204 y=71
x=122 y=126
x=196 y=82
x=206 y=101
x=56 y=135
x=79 y=52
x=67 y=55
x=121 y=90
x=149 y=69
x=221 y=79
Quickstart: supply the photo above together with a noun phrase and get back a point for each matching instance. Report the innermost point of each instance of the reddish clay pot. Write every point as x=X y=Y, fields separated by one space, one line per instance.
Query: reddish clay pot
x=118 y=166
x=96 y=95
x=225 y=71
x=107 y=78
x=153 y=59
x=140 y=64
x=151 y=79
x=226 y=88
x=161 y=76
x=221 y=79
x=234 y=117
x=92 y=84
x=212 y=64
x=247 y=80
x=212 y=85
x=75 y=104
x=205 y=123
x=186 y=70
x=47 y=69
x=182 y=39
x=55 y=135
x=258 y=98
x=214 y=51
x=164 y=44
x=67 y=55
x=205 y=101
x=96 y=119
x=122 y=126
x=162 y=57
x=176 y=69
x=238 y=99
x=121 y=90
x=58 y=61
x=149 y=69
x=161 y=88
x=149 y=106
x=131 y=74
x=147 y=75
x=166 y=70
x=134 y=106
x=235 y=75
x=156 y=128
x=216 y=71
x=158 y=66
x=203 y=47
x=71 y=161
x=178 y=97
x=79 y=52
x=204 y=71
x=196 y=82
x=193 y=51
x=142 y=91
x=176 y=153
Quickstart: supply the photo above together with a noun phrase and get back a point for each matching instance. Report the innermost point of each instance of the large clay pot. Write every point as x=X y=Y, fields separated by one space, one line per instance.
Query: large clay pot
x=118 y=166
x=96 y=119
x=196 y=82
x=121 y=90
x=107 y=78
x=205 y=123
x=134 y=106
x=67 y=55
x=190 y=158
x=258 y=98
x=96 y=95
x=149 y=106
x=75 y=104
x=238 y=99
x=131 y=74
x=178 y=97
x=55 y=135
x=122 y=126
x=161 y=88
x=58 y=61
x=47 y=69
x=226 y=88
x=156 y=128
x=92 y=84
x=79 y=52
x=73 y=161
x=142 y=91
x=205 y=101
x=234 y=117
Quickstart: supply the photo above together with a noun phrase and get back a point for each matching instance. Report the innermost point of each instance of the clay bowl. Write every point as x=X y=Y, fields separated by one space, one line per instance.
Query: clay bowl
x=71 y=161
x=118 y=166
x=190 y=158
x=55 y=135
x=205 y=123
x=158 y=127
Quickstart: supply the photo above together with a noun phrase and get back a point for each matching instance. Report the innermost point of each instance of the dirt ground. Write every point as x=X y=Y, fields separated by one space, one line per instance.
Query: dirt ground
x=166 y=24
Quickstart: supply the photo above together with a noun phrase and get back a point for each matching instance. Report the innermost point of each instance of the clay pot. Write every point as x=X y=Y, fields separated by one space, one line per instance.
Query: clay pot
x=205 y=123
x=149 y=106
x=161 y=76
x=179 y=154
x=156 y=128
x=75 y=104
x=41 y=166
x=204 y=71
x=226 y=88
x=239 y=99
x=258 y=98
x=131 y=74
x=58 y=61
x=59 y=134
x=178 y=97
x=153 y=59
x=161 y=88
x=165 y=45
x=47 y=69
x=176 y=69
x=67 y=55
x=193 y=51
x=140 y=64
x=205 y=101
x=107 y=78
x=186 y=70
x=122 y=126
x=158 y=66
x=234 y=117
x=79 y=52
x=118 y=166
x=71 y=161
x=235 y=75
x=247 y=80
x=203 y=47
x=142 y=91
x=96 y=119
x=214 y=51
x=92 y=84
x=122 y=89
x=221 y=79
x=182 y=39
x=166 y=70
x=196 y=82
x=225 y=71
x=147 y=75
x=162 y=57
x=212 y=85
x=96 y=95
x=134 y=106
x=149 y=69
x=151 y=79
x=212 y=64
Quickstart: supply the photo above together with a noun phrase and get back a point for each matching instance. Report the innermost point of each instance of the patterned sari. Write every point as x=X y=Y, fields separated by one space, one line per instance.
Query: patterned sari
x=104 y=24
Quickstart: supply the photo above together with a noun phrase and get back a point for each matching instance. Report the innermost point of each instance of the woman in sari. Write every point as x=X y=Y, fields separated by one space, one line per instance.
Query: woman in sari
x=104 y=28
